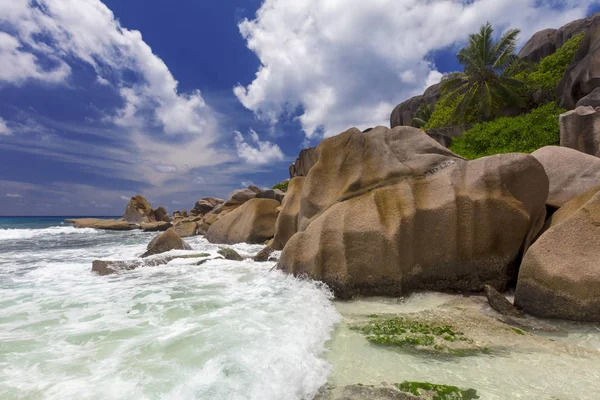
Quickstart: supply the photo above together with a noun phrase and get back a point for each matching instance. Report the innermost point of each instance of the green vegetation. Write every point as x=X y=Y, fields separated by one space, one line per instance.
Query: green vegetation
x=282 y=185
x=547 y=74
x=437 y=392
x=443 y=115
x=422 y=115
x=523 y=134
x=518 y=331
x=402 y=332
x=483 y=87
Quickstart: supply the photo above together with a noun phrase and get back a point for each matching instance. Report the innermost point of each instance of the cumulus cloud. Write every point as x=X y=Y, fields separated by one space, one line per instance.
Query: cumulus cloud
x=125 y=198
x=256 y=151
x=346 y=64
x=157 y=121
x=4 y=129
x=15 y=195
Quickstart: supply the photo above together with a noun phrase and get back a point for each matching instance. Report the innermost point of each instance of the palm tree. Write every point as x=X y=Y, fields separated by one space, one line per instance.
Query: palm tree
x=422 y=116
x=484 y=87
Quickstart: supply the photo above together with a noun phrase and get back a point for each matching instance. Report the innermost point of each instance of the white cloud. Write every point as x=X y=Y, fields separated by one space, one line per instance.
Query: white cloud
x=157 y=121
x=349 y=63
x=125 y=198
x=15 y=195
x=256 y=151
x=4 y=129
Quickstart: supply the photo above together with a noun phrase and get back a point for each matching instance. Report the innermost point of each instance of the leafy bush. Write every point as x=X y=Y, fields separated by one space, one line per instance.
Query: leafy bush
x=523 y=134
x=282 y=185
x=443 y=114
x=547 y=74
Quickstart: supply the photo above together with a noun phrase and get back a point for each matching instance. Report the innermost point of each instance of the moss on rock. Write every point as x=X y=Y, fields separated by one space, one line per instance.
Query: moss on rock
x=431 y=391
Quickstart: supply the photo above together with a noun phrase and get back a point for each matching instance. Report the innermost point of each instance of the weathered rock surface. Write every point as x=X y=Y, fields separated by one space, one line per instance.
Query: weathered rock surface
x=159 y=226
x=560 y=273
x=541 y=45
x=138 y=210
x=306 y=159
x=591 y=100
x=164 y=242
x=580 y=130
x=253 y=222
x=230 y=254
x=500 y=303
x=405 y=111
x=392 y=211
x=287 y=222
x=274 y=194
x=364 y=392
x=264 y=254
x=583 y=74
x=108 y=267
x=103 y=224
x=186 y=228
x=161 y=214
x=206 y=205
x=570 y=173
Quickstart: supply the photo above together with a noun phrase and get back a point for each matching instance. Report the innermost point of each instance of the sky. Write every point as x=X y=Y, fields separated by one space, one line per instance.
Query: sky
x=183 y=99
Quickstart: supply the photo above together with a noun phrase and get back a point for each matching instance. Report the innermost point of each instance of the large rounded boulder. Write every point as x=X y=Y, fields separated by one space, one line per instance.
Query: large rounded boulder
x=392 y=211
x=287 y=222
x=164 y=242
x=560 y=273
x=571 y=173
x=252 y=222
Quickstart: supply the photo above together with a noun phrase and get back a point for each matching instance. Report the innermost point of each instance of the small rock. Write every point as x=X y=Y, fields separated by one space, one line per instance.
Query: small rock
x=186 y=228
x=164 y=242
x=160 y=226
x=499 y=303
x=264 y=254
x=108 y=267
x=230 y=254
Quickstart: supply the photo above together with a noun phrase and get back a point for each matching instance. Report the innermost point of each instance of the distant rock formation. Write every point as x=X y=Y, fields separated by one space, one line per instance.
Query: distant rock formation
x=306 y=159
x=103 y=224
x=139 y=211
x=404 y=112
x=205 y=205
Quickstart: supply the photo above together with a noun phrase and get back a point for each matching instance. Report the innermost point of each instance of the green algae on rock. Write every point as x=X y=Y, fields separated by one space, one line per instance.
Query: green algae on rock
x=431 y=391
x=404 y=332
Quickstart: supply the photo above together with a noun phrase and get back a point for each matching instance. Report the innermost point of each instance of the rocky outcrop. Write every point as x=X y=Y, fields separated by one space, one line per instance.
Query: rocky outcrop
x=103 y=224
x=186 y=228
x=253 y=222
x=580 y=130
x=230 y=254
x=236 y=199
x=306 y=159
x=159 y=226
x=583 y=74
x=161 y=215
x=500 y=303
x=274 y=194
x=541 y=45
x=205 y=205
x=264 y=254
x=403 y=213
x=164 y=242
x=570 y=173
x=559 y=276
x=287 y=222
x=108 y=267
x=138 y=210
x=405 y=112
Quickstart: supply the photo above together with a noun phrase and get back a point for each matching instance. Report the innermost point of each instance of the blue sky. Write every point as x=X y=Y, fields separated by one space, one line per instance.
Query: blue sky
x=177 y=100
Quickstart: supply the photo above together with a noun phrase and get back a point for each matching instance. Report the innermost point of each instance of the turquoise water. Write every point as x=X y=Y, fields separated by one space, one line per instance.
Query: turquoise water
x=37 y=222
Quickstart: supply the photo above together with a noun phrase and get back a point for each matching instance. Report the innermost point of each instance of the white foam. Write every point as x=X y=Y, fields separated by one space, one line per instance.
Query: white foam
x=221 y=330
x=15 y=234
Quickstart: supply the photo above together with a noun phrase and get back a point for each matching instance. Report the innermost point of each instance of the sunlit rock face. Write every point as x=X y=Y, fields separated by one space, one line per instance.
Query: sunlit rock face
x=391 y=211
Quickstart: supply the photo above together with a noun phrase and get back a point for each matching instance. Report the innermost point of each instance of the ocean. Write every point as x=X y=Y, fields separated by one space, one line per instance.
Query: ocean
x=222 y=330
x=228 y=330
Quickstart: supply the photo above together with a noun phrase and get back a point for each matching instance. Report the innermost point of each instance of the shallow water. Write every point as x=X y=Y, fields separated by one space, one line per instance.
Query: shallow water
x=223 y=330
x=556 y=368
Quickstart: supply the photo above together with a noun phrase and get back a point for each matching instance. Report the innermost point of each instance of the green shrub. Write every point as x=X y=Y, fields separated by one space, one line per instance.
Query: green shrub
x=282 y=185
x=547 y=74
x=523 y=134
x=443 y=115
